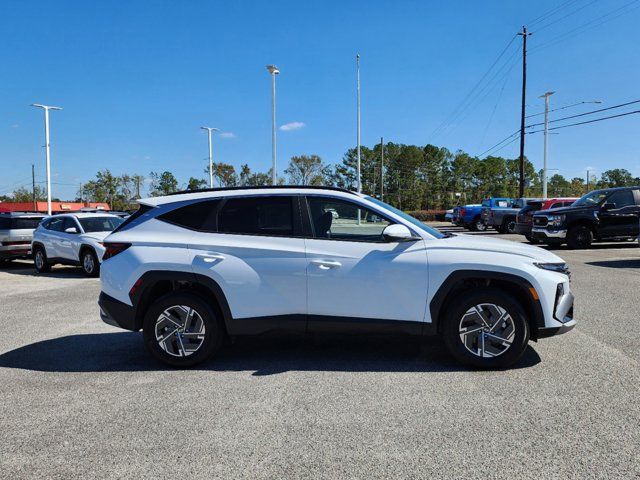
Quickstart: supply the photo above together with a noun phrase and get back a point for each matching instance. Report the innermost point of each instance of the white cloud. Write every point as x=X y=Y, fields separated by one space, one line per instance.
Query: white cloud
x=289 y=127
x=227 y=135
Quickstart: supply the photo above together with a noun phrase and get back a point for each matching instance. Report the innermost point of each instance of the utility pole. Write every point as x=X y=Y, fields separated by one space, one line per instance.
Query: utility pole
x=358 y=120
x=546 y=135
x=273 y=70
x=381 y=169
x=209 y=130
x=33 y=187
x=46 y=109
x=524 y=90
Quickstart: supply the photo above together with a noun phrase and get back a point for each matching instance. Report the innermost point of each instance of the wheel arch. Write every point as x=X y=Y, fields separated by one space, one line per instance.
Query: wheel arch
x=154 y=284
x=459 y=282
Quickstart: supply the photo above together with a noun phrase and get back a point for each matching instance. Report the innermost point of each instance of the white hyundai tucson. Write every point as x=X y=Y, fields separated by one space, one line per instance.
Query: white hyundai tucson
x=193 y=268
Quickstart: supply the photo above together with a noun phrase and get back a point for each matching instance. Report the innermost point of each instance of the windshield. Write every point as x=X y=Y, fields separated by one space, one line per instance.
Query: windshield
x=414 y=221
x=591 y=198
x=100 y=224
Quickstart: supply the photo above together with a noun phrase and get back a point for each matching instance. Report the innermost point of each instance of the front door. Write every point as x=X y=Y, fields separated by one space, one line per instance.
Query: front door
x=357 y=279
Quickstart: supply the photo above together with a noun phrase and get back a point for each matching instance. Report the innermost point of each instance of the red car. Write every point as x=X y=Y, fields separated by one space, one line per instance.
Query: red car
x=524 y=218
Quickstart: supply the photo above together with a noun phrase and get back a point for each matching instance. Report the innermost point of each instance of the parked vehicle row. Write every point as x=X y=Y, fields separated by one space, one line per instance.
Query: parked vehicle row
x=16 y=234
x=607 y=214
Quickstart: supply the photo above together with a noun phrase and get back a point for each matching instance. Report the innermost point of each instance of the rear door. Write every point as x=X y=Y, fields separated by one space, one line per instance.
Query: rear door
x=51 y=236
x=254 y=250
x=355 y=278
x=66 y=241
x=622 y=218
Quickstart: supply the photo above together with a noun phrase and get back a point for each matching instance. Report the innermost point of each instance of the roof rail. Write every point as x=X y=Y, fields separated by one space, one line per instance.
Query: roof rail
x=262 y=187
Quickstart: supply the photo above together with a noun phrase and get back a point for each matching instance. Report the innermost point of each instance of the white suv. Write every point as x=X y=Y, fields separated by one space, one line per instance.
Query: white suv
x=72 y=239
x=192 y=268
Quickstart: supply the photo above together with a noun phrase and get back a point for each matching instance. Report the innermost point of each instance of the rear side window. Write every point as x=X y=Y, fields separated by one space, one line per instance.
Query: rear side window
x=502 y=204
x=622 y=198
x=199 y=216
x=257 y=216
x=142 y=209
x=17 y=223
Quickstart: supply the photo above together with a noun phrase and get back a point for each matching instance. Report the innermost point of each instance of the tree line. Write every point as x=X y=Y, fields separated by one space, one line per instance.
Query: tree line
x=412 y=177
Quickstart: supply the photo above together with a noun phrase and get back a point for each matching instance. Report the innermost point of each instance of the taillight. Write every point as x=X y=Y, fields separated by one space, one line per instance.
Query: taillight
x=112 y=249
x=462 y=210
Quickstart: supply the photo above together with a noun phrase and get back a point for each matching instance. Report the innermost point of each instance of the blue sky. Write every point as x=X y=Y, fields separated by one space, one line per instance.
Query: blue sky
x=137 y=79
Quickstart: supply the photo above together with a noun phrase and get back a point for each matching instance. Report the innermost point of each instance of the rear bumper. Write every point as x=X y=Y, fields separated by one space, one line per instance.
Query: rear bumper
x=543 y=234
x=15 y=251
x=116 y=313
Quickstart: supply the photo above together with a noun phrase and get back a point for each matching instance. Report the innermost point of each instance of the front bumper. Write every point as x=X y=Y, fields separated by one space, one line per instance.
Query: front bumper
x=543 y=233
x=522 y=228
x=117 y=314
x=550 y=332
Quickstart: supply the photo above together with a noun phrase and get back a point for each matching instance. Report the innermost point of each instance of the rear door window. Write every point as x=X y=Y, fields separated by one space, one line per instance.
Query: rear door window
x=622 y=199
x=257 y=216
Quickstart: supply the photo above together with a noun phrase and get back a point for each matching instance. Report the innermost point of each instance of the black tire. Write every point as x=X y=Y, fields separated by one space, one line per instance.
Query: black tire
x=213 y=331
x=456 y=311
x=40 y=260
x=579 y=237
x=509 y=225
x=532 y=240
x=479 y=225
x=89 y=262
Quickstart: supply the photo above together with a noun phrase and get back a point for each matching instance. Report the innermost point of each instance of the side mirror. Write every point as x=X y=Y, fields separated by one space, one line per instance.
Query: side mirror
x=609 y=206
x=71 y=230
x=398 y=233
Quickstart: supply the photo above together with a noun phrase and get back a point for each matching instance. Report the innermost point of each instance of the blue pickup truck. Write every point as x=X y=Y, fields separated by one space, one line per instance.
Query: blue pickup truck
x=469 y=217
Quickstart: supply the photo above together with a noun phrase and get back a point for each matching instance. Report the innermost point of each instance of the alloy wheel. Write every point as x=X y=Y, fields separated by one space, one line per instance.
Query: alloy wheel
x=88 y=263
x=487 y=330
x=180 y=331
x=39 y=260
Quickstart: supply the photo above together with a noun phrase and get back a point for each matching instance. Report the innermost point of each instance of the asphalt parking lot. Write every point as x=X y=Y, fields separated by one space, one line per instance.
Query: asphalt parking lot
x=81 y=399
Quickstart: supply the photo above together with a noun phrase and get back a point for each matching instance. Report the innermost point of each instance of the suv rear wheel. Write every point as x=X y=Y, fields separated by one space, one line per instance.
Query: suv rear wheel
x=182 y=330
x=40 y=260
x=478 y=225
x=579 y=237
x=488 y=329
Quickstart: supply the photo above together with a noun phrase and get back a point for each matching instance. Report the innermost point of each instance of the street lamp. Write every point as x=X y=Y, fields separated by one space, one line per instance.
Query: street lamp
x=273 y=70
x=546 y=134
x=46 y=109
x=209 y=130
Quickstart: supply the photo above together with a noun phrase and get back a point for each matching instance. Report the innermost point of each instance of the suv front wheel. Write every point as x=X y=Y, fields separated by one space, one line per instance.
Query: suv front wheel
x=488 y=329
x=182 y=330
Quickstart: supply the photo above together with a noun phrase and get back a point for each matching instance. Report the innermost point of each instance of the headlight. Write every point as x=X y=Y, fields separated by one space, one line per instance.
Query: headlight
x=555 y=220
x=554 y=267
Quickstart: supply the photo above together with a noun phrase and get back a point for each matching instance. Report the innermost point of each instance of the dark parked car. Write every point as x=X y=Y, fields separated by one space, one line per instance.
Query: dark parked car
x=524 y=218
x=608 y=214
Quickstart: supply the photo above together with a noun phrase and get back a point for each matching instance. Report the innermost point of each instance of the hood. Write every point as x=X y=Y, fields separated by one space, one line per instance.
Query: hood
x=98 y=236
x=497 y=245
x=561 y=210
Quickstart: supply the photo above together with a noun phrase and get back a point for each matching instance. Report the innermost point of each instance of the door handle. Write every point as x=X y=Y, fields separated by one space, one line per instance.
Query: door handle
x=211 y=257
x=326 y=264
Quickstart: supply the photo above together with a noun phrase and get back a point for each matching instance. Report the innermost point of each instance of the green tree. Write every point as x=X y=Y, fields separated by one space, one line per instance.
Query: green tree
x=23 y=195
x=163 y=183
x=196 y=183
x=307 y=170
x=618 y=177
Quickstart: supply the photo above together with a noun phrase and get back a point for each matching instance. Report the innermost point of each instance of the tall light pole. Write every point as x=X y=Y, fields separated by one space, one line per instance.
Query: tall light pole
x=546 y=141
x=46 y=109
x=209 y=130
x=273 y=70
x=358 y=120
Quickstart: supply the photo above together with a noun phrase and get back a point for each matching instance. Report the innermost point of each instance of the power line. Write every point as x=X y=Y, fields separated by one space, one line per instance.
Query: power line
x=590 y=121
x=517 y=132
x=585 y=113
x=461 y=105
x=559 y=108
x=596 y=22
x=551 y=12
x=565 y=16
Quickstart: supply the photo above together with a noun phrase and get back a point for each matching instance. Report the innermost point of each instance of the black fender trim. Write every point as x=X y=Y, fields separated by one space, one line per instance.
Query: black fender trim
x=456 y=278
x=179 y=280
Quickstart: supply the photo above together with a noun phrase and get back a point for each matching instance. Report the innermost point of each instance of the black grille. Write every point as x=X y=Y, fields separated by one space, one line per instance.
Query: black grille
x=540 y=221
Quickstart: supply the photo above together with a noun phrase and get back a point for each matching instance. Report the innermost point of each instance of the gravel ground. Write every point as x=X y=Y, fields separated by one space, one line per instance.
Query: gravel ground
x=81 y=399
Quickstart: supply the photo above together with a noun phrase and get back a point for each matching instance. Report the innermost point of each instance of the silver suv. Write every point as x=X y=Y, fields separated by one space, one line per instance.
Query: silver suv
x=16 y=232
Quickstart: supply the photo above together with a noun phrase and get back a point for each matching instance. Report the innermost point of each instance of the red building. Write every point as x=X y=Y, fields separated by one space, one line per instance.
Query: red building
x=56 y=207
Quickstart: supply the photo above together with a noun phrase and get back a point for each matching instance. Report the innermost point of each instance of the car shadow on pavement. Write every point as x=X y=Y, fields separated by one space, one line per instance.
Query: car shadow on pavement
x=622 y=263
x=124 y=352
x=29 y=270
